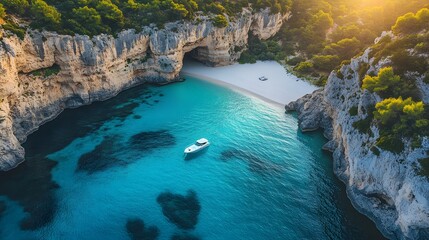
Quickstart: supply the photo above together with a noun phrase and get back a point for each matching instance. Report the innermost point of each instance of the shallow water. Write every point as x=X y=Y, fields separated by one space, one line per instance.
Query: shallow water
x=97 y=171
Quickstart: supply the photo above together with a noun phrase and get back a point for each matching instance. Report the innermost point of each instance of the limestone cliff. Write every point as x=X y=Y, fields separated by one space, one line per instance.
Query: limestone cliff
x=98 y=68
x=386 y=187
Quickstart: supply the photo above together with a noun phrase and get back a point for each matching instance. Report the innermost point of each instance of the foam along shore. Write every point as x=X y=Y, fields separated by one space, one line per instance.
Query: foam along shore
x=280 y=87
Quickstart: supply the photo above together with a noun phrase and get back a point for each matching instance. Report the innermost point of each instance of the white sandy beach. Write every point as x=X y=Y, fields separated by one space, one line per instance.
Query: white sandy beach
x=281 y=87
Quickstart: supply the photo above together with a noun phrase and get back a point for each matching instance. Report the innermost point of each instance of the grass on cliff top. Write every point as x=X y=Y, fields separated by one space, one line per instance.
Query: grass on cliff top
x=46 y=72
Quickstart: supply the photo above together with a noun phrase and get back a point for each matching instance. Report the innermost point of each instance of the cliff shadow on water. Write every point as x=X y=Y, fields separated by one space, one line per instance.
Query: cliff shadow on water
x=333 y=193
x=30 y=184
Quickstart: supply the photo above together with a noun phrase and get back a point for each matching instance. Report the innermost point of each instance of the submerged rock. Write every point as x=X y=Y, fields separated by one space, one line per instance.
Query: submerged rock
x=180 y=210
x=147 y=141
x=138 y=231
x=104 y=156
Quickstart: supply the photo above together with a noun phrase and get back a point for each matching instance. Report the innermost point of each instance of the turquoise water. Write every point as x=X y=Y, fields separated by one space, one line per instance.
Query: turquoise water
x=94 y=168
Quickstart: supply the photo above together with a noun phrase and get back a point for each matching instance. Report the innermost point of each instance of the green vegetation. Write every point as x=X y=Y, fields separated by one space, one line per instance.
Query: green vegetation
x=412 y=23
x=304 y=67
x=328 y=32
x=400 y=115
x=424 y=163
x=363 y=69
x=386 y=83
x=220 y=21
x=375 y=150
x=398 y=119
x=16 y=6
x=46 y=15
x=262 y=50
x=15 y=29
x=390 y=143
x=110 y=16
x=364 y=125
x=325 y=62
x=46 y=72
x=353 y=111
x=2 y=11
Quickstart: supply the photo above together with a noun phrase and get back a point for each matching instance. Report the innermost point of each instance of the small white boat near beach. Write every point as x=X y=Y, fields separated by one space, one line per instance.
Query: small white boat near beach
x=263 y=78
x=199 y=145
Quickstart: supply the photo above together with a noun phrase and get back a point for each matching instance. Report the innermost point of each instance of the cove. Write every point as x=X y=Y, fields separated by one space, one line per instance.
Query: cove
x=103 y=171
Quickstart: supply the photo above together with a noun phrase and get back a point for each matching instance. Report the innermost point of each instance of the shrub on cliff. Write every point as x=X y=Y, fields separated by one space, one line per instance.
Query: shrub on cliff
x=220 y=21
x=386 y=83
x=2 y=11
x=399 y=118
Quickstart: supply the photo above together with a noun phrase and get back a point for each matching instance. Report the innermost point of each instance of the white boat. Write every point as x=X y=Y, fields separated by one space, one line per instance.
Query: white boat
x=199 y=145
x=263 y=78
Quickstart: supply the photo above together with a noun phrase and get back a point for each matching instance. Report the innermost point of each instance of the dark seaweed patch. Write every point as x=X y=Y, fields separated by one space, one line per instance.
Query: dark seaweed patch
x=137 y=116
x=31 y=185
x=184 y=236
x=255 y=163
x=112 y=152
x=146 y=141
x=138 y=231
x=104 y=156
x=181 y=210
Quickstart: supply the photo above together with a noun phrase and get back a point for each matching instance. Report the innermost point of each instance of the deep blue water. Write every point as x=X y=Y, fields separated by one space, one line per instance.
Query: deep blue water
x=103 y=171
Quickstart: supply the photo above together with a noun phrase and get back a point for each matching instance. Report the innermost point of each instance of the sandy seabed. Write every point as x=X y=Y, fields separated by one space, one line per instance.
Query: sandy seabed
x=281 y=87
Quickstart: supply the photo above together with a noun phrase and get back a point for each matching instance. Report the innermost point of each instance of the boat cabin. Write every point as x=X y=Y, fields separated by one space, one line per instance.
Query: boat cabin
x=201 y=142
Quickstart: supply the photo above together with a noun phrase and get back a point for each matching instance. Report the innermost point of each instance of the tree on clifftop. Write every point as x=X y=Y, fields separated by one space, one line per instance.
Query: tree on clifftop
x=45 y=14
x=16 y=6
x=111 y=14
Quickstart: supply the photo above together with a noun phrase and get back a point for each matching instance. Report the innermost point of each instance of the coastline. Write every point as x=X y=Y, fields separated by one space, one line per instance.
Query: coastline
x=281 y=87
x=231 y=86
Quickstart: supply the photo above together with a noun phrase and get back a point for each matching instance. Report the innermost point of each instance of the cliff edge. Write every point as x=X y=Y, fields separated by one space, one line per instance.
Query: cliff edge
x=385 y=186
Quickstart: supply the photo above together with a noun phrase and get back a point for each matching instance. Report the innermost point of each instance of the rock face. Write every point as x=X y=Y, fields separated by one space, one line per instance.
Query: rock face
x=385 y=187
x=98 y=68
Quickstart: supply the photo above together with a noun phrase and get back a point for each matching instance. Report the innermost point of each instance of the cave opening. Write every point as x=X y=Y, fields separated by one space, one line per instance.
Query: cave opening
x=197 y=54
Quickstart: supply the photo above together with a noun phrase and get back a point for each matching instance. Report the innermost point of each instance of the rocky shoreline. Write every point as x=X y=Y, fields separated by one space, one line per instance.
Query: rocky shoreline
x=94 y=69
x=384 y=187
